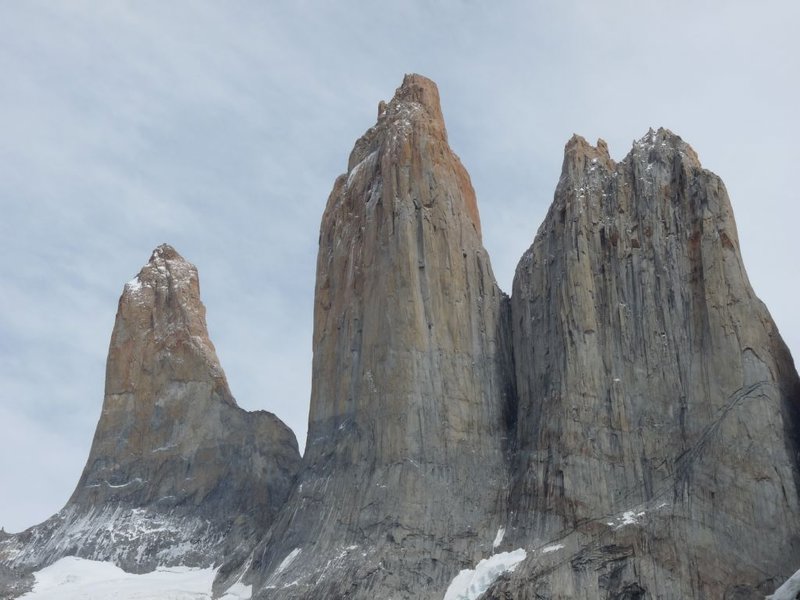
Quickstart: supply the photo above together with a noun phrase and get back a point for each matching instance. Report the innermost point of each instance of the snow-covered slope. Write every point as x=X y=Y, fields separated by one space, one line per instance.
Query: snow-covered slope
x=75 y=578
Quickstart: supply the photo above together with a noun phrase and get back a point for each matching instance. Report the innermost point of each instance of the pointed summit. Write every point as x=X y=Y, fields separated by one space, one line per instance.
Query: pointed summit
x=580 y=155
x=663 y=145
x=177 y=472
x=161 y=335
x=165 y=252
x=410 y=141
x=409 y=395
x=420 y=90
x=414 y=109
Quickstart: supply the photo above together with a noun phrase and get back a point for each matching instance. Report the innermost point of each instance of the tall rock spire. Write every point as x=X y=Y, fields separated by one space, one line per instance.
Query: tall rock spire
x=405 y=460
x=657 y=402
x=626 y=427
x=177 y=472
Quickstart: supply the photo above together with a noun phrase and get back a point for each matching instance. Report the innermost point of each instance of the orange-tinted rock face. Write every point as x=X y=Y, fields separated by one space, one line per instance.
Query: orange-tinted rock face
x=411 y=371
x=402 y=279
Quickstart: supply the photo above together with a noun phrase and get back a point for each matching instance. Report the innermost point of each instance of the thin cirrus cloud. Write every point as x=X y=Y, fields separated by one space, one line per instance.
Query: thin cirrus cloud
x=220 y=127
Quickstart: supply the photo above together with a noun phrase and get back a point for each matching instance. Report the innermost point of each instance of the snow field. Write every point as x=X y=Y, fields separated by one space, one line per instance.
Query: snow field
x=73 y=578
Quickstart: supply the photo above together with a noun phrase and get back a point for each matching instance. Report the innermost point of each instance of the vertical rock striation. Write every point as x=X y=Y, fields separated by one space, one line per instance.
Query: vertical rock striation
x=404 y=472
x=177 y=472
x=625 y=427
x=657 y=402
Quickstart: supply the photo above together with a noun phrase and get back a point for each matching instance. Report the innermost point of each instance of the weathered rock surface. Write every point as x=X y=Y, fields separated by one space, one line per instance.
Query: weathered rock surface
x=657 y=429
x=629 y=418
x=404 y=469
x=13 y=582
x=177 y=472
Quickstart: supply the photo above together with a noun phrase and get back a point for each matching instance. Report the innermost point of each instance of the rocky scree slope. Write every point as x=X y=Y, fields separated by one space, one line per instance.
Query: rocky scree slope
x=177 y=474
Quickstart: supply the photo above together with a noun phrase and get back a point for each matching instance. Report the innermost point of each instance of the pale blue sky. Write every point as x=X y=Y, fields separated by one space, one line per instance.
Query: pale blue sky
x=219 y=127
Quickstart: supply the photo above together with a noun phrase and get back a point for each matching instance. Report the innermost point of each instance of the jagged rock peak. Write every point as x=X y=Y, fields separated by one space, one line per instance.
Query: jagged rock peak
x=664 y=143
x=415 y=107
x=160 y=311
x=409 y=135
x=165 y=263
x=166 y=269
x=655 y=146
x=167 y=401
x=177 y=472
x=578 y=152
x=416 y=91
x=165 y=252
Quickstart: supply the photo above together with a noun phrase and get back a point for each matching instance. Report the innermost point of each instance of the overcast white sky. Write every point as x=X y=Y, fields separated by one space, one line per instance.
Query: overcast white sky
x=220 y=127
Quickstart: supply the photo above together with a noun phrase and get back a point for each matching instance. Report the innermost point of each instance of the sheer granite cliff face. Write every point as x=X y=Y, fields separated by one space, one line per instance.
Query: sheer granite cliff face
x=632 y=425
x=177 y=472
x=629 y=418
x=404 y=470
x=657 y=402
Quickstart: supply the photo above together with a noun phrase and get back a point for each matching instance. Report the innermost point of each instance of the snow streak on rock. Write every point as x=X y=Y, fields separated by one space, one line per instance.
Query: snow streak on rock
x=470 y=584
